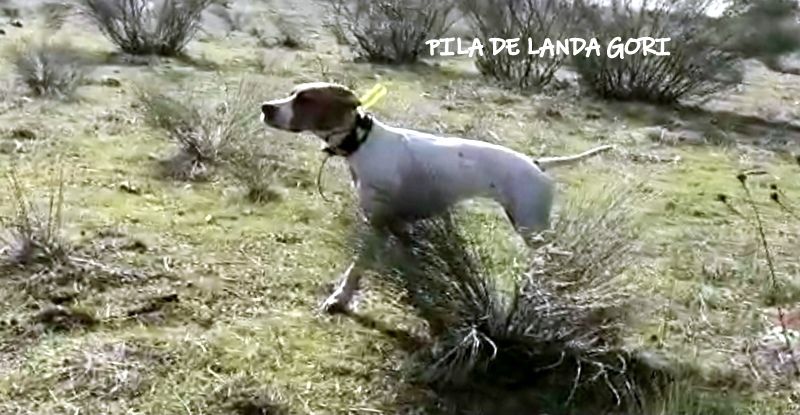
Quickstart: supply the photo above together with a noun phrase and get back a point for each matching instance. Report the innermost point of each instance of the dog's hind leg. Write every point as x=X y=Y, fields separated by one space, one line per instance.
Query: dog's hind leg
x=530 y=211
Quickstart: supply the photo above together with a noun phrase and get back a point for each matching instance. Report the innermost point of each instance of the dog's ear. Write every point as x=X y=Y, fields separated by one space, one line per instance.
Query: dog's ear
x=346 y=97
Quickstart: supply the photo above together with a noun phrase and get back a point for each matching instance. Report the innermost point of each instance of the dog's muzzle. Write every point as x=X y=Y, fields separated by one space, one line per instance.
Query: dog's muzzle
x=269 y=111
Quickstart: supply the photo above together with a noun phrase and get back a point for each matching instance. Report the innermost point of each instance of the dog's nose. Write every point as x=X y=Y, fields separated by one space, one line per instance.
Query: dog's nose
x=269 y=110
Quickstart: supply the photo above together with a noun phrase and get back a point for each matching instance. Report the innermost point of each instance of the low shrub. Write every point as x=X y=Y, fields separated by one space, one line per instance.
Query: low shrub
x=140 y=27
x=763 y=29
x=48 y=68
x=392 y=31
x=698 y=64
x=556 y=331
x=224 y=137
x=523 y=19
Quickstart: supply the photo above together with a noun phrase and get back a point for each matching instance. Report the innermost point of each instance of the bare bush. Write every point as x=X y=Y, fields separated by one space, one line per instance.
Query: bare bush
x=391 y=31
x=763 y=29
x=146 y=27
x=248 y=158
x=290 y=35
x=197 y=136
x=698 y=64
x=523 y=19
x=558 y=327
x=48 y=68
x=55 y=14
x=225 y=136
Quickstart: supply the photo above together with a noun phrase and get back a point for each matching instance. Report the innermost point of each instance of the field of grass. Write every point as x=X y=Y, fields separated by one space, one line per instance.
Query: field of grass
x=194 y=300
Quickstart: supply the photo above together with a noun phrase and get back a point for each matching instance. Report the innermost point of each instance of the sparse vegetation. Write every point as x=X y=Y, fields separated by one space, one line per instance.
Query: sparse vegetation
x=34 y=237
x=146 y=27
x=562 y=319
x=698 y=64
x=226 y=136
x=111 y=371
x=48 y=68
x=141 y=295
x=764 y=29
x=251 y=160
x=56 y=14
x=523 y=19
x=185 y=122
x=784 y=361
x=290 y=35
x=237 y=397
x=392 y=31
x=37 y=256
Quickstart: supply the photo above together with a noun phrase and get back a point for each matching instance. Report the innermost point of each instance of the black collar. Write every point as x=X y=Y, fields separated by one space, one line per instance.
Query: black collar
x=357 y=136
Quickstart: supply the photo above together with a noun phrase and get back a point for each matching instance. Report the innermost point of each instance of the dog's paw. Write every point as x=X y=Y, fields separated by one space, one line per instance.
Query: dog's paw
x=335 y=304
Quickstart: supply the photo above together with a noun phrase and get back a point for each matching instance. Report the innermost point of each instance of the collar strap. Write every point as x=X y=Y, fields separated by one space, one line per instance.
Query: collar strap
x=357 y=136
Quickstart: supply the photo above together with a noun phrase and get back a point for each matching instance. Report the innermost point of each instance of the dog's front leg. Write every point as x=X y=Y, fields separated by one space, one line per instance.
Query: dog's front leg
x=339 y=301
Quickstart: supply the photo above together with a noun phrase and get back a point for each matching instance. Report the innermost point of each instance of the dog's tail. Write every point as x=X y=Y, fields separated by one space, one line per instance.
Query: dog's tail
x=547 y=162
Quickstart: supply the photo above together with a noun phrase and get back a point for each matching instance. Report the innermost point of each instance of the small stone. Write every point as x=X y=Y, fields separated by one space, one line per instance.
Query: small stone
x=111 y=82
x=10 y=147
x=128 y=187
x=16 y=23
x=689 y=137
x=654 y=133
x=553 y=112
x=23 y=133
x=2 y=31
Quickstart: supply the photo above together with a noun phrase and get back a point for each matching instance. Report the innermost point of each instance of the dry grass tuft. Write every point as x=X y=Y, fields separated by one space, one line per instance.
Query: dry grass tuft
x=225 y=137
x=110 y=371
x=36 y=255
x=34 y=238
x=558 y=328
x=198 y=138
x=201 y=133
x=48 y=68
x=239 y=396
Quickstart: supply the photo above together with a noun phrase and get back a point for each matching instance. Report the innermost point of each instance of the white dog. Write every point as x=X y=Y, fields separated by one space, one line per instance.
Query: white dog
x=403 y=175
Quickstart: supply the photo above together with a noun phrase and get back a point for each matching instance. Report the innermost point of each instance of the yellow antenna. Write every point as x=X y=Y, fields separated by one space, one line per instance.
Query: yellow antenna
x=373 y=96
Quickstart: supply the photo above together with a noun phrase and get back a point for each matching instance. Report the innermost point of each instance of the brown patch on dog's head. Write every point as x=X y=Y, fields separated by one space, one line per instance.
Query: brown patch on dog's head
x=313 y=107
x=323 y=108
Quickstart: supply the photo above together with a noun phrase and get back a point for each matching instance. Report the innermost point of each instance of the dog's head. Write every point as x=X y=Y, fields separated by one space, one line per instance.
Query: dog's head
x=317 y=107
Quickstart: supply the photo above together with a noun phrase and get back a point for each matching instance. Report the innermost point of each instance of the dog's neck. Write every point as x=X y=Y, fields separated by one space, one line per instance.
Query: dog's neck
x=347 y=141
